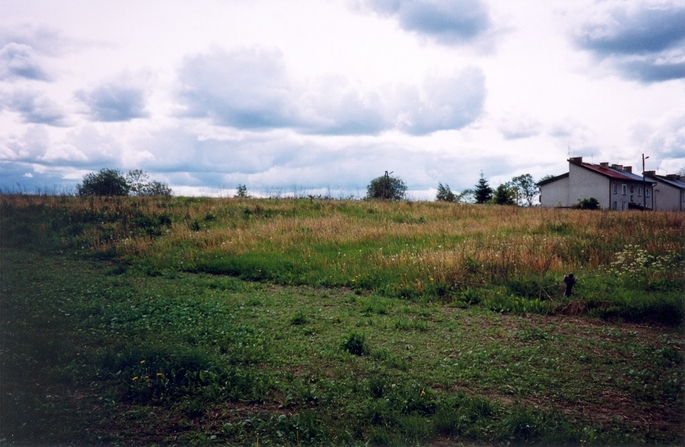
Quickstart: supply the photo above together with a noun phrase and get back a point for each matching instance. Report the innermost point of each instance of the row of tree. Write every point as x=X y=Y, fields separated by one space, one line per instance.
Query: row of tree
x=521 y=190
x=112 y=182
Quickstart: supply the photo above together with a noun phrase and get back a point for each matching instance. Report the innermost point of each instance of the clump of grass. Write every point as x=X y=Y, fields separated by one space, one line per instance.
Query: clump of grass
x=356 y=344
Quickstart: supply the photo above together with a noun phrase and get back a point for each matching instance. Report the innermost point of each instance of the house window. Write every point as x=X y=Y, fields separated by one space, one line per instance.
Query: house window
x=614 y=206
x=623 y=206
x=632 y=189
x=615 y=188
x=639 y=191
x=624 y=189
x=647 y=192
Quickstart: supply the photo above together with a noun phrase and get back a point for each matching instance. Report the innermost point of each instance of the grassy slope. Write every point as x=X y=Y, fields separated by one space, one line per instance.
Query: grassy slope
x=89 y=356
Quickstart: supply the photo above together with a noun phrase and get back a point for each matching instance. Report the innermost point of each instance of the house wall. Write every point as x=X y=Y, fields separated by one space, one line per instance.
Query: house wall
x=668 y=198
x=554 y=194
x=584 y=184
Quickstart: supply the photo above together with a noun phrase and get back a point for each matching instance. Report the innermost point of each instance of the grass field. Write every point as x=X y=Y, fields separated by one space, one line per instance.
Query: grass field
x=141 y=321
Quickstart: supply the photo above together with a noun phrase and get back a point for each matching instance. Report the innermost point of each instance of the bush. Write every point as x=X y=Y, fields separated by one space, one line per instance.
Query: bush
x=355 y=344
x=445 y=194
x=587 y=204
x=106 y=182
x=386 y=187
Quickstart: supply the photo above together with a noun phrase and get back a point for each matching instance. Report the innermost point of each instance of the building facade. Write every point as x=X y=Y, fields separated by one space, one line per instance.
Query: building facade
x=615 y=187
x=669 y=191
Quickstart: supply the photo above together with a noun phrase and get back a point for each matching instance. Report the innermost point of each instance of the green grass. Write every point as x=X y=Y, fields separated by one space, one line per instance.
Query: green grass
x=129 y=322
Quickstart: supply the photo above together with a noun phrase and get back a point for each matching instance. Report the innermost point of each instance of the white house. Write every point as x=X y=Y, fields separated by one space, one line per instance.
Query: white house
x=669 y=192
x=614 y=186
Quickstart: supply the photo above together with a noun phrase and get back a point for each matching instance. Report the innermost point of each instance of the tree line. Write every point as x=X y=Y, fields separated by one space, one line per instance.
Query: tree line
x=113 y=182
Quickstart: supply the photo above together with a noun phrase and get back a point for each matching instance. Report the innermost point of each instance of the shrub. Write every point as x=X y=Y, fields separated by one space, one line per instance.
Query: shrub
x=386 y=187
x=355 y=344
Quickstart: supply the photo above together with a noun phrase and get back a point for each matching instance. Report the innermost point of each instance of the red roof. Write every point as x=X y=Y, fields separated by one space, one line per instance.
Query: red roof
x=609 y=172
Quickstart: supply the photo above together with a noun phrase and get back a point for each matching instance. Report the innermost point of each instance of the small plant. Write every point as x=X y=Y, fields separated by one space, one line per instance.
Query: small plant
x=299 y=318
x=241 y=192
x=356 y=344
x=587 y=204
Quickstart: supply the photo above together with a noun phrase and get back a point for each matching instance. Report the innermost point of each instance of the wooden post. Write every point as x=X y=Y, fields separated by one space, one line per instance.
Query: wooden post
x=570 y=281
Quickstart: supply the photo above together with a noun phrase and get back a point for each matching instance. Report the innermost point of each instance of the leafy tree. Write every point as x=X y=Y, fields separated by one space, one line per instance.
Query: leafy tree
x=681 y=172
x=155 y=188
x=112 y=182
x=445 y=194
x=482 y=191
x=137 y=180
x=386 y=187
x=525 y=189
x=241 y=191
x=504 y=194
x=106 y=182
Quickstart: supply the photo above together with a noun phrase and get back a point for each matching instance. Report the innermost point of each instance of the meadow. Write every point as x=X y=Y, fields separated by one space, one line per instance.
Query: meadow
x=142 y=320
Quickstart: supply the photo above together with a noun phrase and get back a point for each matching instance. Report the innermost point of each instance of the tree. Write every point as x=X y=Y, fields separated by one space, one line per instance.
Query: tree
x=155 y=188
x=587 y=204
x=112 y=182
x=445 y=194
x=525 y=189
x=482 y=191
x=504 y=194
x=106 y=182
x=386 y=187
x=241 y=191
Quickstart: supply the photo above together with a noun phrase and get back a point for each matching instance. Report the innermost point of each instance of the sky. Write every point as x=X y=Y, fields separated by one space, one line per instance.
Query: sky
x=321 y=96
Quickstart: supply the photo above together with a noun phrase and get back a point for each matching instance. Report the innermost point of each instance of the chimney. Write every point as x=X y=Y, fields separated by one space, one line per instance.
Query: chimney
x=650 y=173
x=617 y=167
x=575 y=160
x=604 y=164
x=672 y=176
x=628 y=169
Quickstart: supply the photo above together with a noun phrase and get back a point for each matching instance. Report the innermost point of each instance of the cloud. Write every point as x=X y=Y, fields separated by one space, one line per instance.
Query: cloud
x=663 y=139
x=643 y=41
x=515 y=127
x=34 y=108
x=122 y=99
x=246 y=89
x=448 y=22
x=19 y=61
x=443 y=103
x=251 y=89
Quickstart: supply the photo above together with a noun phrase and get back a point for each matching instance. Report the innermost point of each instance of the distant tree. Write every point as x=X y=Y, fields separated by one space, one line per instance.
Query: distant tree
x=137 y=180
x=155 y=188
x=681 y=172
x=504 y=194
x=112 y=182
x=241 y=191
x=546 y=177
x=386 y=187
x=466 y=196
x=106 y=182
x=525 y=189
x=445 y=194
x=482 y=192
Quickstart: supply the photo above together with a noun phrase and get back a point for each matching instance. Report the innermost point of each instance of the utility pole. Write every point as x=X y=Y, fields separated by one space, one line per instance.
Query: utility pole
x=644 y=185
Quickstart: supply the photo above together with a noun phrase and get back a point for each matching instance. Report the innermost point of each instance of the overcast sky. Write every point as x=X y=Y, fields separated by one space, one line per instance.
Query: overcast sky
x=324 y=95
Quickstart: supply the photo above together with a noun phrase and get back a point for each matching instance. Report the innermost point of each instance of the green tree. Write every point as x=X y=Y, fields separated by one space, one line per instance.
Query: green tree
x=525 y=189
x=155 y=188
x=106 y=182
x=482 y=192
x=112 y=182
x=386 y=187
x=241 y=191
x=504 y=194
x=445 y=194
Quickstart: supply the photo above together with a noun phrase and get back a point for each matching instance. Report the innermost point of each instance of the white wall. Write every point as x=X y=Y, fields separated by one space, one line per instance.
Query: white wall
x=667 y=197
x=584 y=184
x=554 y=194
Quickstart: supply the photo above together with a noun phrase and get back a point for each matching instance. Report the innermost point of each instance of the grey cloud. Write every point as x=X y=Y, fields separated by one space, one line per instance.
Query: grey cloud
x=120 y=100
x=19 y=61
x=34 y=108
x=245 y=89
x=447 y=21
x=250 y=89
x=644 y=43
x=445 y=103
